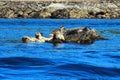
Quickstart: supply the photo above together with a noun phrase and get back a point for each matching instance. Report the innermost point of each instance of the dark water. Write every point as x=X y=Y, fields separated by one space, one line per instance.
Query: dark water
x=43 y=61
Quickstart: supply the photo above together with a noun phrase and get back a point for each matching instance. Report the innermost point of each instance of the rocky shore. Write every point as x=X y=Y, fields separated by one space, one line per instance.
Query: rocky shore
x=51 y=9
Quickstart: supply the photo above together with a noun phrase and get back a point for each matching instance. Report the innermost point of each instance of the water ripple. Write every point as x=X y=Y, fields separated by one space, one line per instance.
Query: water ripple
x=102 y=71
x=24 y=61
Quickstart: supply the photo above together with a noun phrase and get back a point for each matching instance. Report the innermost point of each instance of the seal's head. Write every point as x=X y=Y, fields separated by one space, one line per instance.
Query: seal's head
x=57 y=35
x=62 y=29
x=25 y=39
x=38 y=35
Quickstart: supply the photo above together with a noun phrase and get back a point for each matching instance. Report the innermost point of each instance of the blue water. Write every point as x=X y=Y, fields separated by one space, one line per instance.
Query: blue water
x=68 y=61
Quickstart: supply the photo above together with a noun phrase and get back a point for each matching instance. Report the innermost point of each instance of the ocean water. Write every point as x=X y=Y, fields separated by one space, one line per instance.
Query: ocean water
x=68 y=61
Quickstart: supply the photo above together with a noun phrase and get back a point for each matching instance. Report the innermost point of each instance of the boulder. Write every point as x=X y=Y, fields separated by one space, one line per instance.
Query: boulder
x=77 y=13
x=10 y=14
x=46 y=13
x=60 y=13
x=80 y=35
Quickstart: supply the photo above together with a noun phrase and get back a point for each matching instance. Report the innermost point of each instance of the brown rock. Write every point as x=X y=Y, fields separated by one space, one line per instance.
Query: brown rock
x=60 y=13
x=82 y=35
x=46 y=13
x=10 y=14
x=28 y=11
x=76 y=13
x=34 y=15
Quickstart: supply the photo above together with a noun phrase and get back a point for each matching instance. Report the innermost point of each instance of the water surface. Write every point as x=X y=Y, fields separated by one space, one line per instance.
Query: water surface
x=43 y=61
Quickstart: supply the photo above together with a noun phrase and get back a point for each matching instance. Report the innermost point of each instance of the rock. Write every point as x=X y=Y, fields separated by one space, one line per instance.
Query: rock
x=2 y=3
x=27 y=11
x=46 y=13
x=25 y=15
x=77 y=13
x=34 y=15
x=10 y=14
x=91 y=13
x=53 y=9
x=20 y=14
x=85 y=36
x=81 y=35
x=60 y=13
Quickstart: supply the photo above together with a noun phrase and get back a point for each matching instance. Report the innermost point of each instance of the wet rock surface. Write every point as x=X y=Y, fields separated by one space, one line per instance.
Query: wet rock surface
x=32 y=9
x=80 y=35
